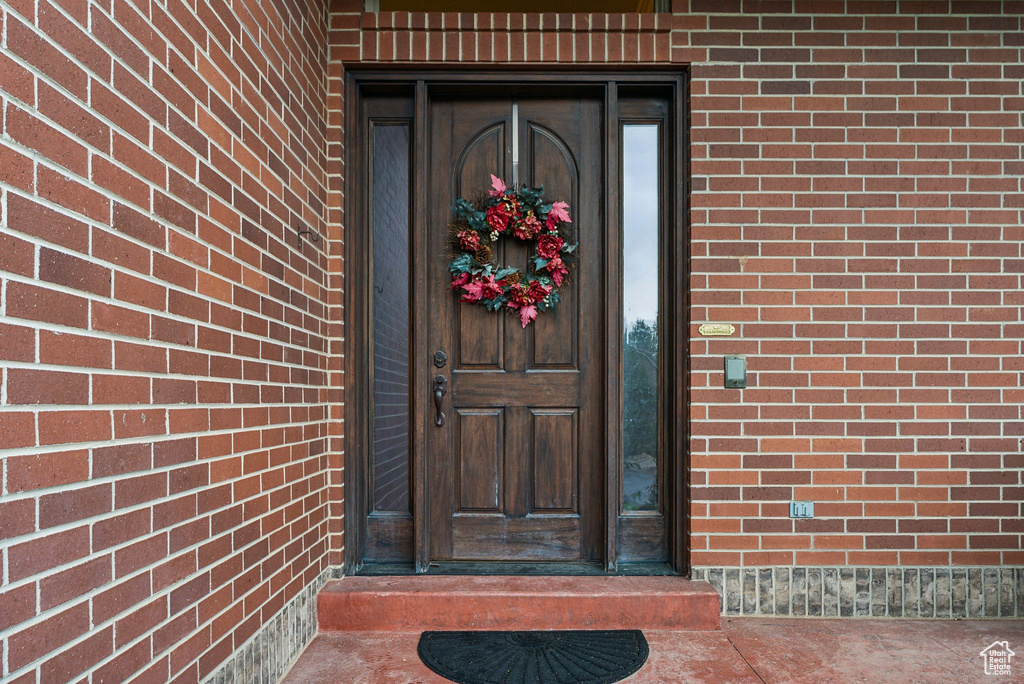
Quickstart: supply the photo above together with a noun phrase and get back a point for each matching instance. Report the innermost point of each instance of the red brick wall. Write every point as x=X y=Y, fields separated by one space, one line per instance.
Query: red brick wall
x=164 y=342
x=857 y=213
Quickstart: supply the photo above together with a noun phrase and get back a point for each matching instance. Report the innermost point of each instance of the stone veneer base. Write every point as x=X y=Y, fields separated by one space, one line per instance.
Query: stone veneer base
x=267 y=655
x=898 y=592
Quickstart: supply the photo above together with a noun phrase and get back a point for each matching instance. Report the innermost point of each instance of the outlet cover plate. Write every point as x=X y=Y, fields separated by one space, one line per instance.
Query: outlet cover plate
x=801 y=509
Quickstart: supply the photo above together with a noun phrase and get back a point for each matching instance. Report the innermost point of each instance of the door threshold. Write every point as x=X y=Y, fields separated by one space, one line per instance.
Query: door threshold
x=554 y=569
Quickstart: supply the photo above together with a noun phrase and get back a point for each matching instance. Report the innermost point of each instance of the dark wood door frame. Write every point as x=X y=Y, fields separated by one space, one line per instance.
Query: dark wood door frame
x=416 y=85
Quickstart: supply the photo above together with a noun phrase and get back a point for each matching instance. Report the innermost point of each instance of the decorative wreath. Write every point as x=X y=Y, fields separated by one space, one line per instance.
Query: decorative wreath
x=477 y=226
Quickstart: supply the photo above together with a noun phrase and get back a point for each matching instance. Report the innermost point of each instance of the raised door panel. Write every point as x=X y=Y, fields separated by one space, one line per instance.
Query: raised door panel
x=480 y=453
x=554 y=460
x=533 y=539
x=552 y=164
x=479 y=332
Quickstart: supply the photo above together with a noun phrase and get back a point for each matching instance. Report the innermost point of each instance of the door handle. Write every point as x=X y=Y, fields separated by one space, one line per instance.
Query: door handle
x=440 y=389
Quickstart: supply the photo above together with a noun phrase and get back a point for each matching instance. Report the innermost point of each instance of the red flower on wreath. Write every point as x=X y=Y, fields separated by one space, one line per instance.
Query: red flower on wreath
x=521 y=300
x=538 y=290
x=548 y=246
x=460 y=280
x=527 y=228
x=498 y=216
x=490 y=289
x=556 y=267
x=481 y=288
x=469 y=240
x=519 y=294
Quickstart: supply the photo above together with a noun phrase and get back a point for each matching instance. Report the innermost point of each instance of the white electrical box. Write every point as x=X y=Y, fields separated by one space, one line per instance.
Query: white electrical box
x=801 y=509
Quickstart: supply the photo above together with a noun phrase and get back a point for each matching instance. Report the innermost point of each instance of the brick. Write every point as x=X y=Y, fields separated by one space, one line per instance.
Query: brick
x=139 y=555
x=16 y=169
x=120 y=320
x=121 y=597
x=17 y=605
x=120 y=252
x=35 y=556
x=73 y=582
x=73 y=272
x=74 y=505
x=65 y=427
x=17 y=81
x=18 y=518
x=37 y=135
x=121 y=529
x=71 y=194
x=26 y=386
x=37 y=471
x=80 y=657
x=143 y=620
x=35 y=219
x=68 y=349
x=115 y=179
x=17 y=343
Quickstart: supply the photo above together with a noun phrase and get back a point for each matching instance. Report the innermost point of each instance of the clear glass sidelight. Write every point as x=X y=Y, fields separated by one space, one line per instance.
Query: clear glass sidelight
x=390 y=207
x=640 y=263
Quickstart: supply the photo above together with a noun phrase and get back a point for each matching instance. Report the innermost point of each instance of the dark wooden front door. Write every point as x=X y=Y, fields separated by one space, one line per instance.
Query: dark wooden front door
x=516 y=471
x=564 y=444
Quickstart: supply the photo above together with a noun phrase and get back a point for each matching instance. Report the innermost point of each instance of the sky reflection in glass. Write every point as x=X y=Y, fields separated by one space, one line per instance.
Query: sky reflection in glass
x=640 y=307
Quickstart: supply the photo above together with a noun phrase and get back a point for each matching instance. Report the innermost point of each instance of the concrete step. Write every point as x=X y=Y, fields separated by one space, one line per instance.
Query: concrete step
x=448 y=602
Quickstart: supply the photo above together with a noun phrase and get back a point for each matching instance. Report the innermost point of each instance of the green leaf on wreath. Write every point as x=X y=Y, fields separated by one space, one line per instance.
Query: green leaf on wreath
x=463 y=208
x=569 y=249
x=504 y=273
x=478 y=222
x=531 y=197
x=461 y=264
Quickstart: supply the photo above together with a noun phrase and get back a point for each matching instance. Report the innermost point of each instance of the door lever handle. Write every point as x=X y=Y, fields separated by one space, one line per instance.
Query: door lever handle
x=440 y=389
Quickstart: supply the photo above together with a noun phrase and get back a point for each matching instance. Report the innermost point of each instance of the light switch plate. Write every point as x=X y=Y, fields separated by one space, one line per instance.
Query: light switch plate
x=801 y=509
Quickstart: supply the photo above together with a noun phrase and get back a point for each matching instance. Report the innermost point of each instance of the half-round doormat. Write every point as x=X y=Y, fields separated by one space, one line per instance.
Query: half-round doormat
x=557 y=657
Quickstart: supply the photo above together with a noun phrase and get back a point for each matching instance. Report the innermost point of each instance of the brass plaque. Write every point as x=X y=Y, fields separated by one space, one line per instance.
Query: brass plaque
x=716 y=329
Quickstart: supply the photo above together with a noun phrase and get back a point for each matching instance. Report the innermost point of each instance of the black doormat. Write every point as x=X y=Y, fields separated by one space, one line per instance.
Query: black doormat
x=557 y=657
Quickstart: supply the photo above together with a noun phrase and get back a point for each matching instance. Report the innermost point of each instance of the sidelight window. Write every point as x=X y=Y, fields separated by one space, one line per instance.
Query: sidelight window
x=390 y=211
x=640 y=296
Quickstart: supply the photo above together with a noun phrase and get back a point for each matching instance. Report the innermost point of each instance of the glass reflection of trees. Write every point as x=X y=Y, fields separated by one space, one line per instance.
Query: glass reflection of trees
x=640 y=417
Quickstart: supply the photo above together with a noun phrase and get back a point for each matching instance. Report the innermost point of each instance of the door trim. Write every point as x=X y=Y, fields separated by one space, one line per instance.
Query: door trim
x=613 y=331
x=361 y=77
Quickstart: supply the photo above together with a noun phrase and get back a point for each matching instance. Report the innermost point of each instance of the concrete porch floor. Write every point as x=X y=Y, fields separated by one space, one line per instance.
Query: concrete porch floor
x=745 y=650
